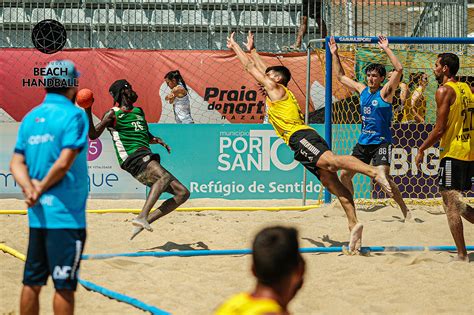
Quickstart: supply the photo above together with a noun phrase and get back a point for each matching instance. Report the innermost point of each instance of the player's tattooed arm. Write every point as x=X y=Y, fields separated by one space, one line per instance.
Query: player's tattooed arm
x=97 y=130
x=157 y=140
x=340 y=74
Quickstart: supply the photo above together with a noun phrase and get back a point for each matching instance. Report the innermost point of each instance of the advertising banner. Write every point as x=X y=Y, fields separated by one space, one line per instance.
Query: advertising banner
x=213 y=161
x=106 y=178
x=413 y=182
x=233 y=162
x=219 y=88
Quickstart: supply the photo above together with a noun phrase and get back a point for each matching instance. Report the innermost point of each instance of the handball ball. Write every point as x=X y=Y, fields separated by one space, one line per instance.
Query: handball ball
x=85 y=98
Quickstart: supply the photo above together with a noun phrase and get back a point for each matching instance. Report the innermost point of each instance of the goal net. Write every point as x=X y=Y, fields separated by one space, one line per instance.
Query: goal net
x=415 y=94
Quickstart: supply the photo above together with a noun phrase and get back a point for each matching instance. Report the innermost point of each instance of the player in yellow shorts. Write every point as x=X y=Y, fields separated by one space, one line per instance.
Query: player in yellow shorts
x=455 y=128
x=279 y=268
x=309 y=148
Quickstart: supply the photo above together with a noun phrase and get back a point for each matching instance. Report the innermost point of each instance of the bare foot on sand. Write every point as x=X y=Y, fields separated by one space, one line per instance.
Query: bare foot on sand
x=460 y=259
x=409 y=217
x=355 y=241
x=136 y=230
x=139 y=222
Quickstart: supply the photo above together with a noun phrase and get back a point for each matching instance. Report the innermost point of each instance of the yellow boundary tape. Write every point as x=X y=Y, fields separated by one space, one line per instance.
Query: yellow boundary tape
x=13 y=252
x=102 y=211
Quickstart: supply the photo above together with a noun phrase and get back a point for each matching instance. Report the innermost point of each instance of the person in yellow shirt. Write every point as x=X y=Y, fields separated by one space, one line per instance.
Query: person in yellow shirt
x=455 y=128
x=415 y=107
x=279 y=268
x=309 y=148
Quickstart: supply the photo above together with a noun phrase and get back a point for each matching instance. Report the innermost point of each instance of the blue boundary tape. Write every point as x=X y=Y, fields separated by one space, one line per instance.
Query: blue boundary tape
x=190 y=253
x=122 y=298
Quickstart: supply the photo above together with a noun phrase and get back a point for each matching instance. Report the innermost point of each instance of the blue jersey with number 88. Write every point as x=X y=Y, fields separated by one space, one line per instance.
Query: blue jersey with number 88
x=376 y=118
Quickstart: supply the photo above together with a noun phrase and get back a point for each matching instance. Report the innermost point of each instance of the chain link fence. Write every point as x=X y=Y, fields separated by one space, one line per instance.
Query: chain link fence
x=204 y=24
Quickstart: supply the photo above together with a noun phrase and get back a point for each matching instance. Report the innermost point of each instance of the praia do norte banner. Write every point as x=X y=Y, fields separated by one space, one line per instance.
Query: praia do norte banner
x=244 y=161
x=219 y=88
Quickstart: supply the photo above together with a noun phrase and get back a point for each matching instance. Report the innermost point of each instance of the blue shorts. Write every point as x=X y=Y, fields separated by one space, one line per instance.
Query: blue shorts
x=55 y=252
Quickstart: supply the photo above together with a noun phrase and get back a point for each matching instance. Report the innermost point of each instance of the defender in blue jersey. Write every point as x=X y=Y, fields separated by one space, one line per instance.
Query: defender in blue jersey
x=375 y=141
x=50 y=165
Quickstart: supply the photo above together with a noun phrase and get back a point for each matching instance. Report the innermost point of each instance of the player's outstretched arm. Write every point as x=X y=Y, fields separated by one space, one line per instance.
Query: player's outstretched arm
x=389 y=89
x=250 y=45
x=158 y=140
x=444 y=98
x=274 y=91
x=97 y=130
x=340 y=74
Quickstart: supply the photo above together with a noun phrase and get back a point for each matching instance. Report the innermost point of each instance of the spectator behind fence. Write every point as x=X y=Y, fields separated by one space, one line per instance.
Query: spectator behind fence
x=399 y=99
x=415 y=107
x=279 y=268
x=179 y=97
x=311 y=9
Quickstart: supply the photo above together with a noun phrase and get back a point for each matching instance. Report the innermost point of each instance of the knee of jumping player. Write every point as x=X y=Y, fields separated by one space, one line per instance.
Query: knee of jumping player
x=182 y=195
x=328 y=161
x=346 y=176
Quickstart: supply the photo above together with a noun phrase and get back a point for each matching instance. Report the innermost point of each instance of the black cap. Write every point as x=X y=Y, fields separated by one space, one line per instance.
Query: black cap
x=116 y=89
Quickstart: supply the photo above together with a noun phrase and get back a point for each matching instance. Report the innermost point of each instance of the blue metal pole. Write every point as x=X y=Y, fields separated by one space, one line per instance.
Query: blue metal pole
x=328 y=108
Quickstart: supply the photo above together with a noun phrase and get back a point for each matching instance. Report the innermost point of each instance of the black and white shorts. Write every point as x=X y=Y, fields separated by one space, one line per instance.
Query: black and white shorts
x=379 y=154
x=456 y=174
x=308 y=147
x=137 y=162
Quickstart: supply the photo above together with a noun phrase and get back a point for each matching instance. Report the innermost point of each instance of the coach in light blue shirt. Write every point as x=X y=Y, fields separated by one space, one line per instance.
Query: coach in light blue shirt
x=50 y=165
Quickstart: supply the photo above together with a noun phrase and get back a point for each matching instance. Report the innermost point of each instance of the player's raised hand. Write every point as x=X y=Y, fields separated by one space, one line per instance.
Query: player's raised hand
x=231 y=41
x=383 y=42
x=332 y=45
x=250 y=44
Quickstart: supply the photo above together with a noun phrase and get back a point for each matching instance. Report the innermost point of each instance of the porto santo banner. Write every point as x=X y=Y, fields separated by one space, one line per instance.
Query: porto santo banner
x=220 y=90
x=233 y=162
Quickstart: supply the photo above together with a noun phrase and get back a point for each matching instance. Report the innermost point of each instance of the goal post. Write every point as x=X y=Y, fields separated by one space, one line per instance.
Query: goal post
x=342 y=122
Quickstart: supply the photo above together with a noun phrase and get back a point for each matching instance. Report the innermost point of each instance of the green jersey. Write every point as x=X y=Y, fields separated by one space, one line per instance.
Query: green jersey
x=129 y=132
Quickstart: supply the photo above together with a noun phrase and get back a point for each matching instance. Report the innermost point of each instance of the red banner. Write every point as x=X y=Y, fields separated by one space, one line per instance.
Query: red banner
x=221 y=91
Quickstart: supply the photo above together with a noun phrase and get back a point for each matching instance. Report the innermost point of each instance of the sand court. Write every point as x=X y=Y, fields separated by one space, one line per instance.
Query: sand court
x=403 y=282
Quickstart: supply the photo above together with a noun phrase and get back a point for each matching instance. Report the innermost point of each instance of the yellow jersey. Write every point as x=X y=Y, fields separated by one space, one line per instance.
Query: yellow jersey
x=245 y=304
x=458 y=140
x=285 y=115
x=419 y=106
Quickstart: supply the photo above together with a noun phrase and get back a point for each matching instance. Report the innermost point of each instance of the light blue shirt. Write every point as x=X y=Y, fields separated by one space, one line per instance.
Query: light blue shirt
x=54 y=125
x=376 y=117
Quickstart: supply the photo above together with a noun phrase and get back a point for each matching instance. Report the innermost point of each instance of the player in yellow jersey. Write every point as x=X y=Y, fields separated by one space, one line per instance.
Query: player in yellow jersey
x=455 y=128
x=279 y=268
x=309 y=147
